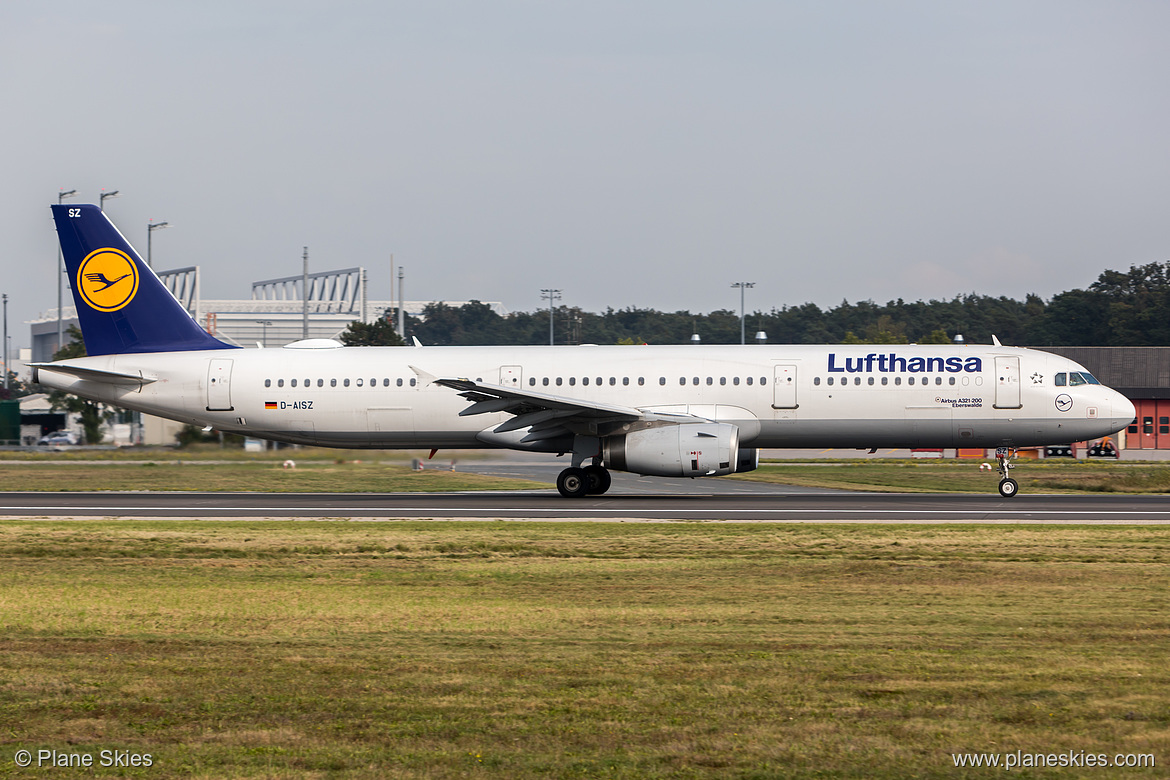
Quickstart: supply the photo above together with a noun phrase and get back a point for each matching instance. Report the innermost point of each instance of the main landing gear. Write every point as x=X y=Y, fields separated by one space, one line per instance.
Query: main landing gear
x=1008 y=487
x=580 y=482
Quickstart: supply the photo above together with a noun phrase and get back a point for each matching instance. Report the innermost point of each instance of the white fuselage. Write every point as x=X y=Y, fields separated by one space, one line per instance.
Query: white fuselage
x=778 y=396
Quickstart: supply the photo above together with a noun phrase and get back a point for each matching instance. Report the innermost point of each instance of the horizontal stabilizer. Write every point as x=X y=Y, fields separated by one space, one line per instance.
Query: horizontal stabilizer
x=95 y=374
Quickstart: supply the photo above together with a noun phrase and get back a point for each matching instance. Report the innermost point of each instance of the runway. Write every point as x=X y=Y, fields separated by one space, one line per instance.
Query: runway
x=775 y=507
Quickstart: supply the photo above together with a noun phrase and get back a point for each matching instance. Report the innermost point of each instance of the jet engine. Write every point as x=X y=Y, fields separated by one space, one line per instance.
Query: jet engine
x=697 y=449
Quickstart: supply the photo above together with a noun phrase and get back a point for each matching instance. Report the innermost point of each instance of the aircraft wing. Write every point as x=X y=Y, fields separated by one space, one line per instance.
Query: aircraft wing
x=545 y=415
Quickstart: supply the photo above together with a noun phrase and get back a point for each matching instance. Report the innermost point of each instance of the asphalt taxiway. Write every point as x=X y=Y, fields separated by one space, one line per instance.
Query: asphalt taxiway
x=777 y=507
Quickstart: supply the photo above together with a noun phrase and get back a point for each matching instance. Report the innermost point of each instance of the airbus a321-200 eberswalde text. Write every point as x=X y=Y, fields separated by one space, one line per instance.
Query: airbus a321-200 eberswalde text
x=668 y=411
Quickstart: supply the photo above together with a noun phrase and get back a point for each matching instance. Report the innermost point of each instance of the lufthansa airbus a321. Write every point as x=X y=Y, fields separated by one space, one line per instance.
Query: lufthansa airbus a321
x=668 y=411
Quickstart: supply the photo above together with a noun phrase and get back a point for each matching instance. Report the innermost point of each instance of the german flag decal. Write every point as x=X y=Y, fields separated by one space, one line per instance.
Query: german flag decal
x=270 y=404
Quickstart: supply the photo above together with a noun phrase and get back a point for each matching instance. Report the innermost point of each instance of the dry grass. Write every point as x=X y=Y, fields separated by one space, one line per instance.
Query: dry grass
x=529 y=650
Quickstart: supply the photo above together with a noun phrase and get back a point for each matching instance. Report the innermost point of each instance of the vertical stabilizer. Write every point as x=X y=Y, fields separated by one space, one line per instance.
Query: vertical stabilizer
x=122 y=306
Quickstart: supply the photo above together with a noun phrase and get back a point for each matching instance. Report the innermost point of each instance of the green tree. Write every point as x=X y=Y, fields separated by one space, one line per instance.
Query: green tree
x=379 y=333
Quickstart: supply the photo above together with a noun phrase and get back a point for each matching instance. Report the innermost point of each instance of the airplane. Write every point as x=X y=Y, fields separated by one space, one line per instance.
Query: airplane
x=667 y=411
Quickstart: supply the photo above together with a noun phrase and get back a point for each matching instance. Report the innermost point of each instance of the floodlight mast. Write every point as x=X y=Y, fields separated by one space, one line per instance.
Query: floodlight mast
x=742 y=287
x=550 y=295
x=150 y=228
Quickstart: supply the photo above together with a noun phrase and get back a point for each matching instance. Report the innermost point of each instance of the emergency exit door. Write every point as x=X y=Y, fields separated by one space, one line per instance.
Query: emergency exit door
x=219 y=385
x=510 y=376
x=784 y=387
x=1007 y=383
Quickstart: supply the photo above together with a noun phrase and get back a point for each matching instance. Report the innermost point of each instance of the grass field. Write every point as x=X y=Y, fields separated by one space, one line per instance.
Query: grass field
x=964 y=476
x=405 y=649
x=309 y=476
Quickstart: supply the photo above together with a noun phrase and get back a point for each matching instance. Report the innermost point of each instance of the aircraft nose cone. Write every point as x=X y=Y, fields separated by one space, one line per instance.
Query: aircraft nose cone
x=1123 y=408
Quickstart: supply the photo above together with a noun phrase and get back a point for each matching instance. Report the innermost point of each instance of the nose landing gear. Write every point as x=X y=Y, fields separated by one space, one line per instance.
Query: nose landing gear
x=1008 y=487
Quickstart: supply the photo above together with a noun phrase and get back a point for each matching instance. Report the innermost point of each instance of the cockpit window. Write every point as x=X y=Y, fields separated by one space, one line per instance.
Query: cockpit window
x=1060 y=380
x=1075 y=378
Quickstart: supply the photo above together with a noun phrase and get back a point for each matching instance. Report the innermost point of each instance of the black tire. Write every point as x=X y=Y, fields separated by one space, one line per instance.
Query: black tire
x=599 y=479
x=573 y=483
x=1008 y=487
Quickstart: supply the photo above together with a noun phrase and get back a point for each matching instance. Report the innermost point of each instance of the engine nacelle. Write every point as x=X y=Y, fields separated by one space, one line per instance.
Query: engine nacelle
x=747 y=459
x=683 y=450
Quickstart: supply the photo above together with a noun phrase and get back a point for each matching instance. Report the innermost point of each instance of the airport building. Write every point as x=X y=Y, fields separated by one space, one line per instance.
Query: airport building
x=276 y=314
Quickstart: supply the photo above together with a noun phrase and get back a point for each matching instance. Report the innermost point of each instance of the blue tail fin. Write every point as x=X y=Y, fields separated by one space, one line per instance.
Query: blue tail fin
x=123 y=307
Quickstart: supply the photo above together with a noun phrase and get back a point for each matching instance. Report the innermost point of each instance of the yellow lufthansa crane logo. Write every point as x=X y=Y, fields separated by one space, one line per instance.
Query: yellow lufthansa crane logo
x=107 y=279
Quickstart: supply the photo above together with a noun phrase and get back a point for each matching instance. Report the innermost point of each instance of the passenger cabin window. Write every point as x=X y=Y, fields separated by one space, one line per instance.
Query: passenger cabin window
x=280 y=383
x=413 y=381
x=584 y=381
x=816 y=380
x=399 y=382
x=749 y=380
x=572 y=381
x=268 y=383
x=320 y=383
x=333 y=383
x=829 y=380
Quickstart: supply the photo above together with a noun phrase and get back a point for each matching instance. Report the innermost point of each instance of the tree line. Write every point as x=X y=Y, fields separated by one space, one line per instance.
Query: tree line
x=1119 y=309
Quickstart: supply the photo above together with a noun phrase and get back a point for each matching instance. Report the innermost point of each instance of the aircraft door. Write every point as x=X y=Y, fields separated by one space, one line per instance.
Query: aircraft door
x=1007 y=383
x=219 y=385
x=784 y=387
x=511 y=376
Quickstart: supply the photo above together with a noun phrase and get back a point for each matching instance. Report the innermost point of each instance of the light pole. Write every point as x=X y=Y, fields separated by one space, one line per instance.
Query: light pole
x=102 y=199
x=742 y=287
x=264 y=332
x=62 y=195
x=551 y=296
x=6 y=344
x=150 y=228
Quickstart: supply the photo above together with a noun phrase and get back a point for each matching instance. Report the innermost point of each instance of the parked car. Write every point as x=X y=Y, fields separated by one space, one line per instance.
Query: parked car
x=57 y=438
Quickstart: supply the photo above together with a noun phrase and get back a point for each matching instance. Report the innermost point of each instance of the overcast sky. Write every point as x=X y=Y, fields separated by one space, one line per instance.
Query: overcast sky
x=642 y=154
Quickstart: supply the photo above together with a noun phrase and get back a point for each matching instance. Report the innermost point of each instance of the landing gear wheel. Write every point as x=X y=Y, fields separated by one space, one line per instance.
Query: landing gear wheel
x=598 y=478
x=1008 y=487
x=573 y=483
